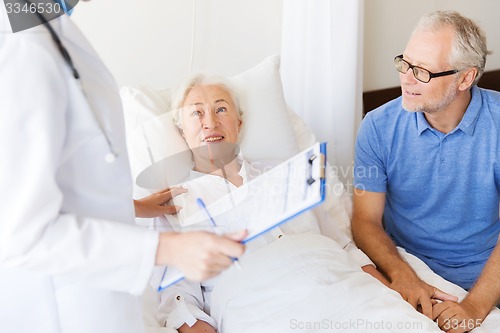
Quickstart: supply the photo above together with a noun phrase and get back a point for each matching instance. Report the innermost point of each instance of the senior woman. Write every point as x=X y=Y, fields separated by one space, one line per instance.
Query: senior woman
x=301 y=268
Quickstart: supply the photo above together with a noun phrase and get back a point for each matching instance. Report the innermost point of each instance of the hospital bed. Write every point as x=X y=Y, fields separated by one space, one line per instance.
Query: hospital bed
x=271 y=132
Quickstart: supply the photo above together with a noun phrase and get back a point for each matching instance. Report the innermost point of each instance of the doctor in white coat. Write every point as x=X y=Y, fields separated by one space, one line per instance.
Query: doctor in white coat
x=71 y=258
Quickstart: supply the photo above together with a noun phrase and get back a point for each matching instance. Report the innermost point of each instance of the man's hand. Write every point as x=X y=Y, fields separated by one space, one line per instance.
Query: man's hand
x=199 y=255
x=456 y=317
x=370 y=236
x=419 y=294
x=156 y=204
x=470 y=313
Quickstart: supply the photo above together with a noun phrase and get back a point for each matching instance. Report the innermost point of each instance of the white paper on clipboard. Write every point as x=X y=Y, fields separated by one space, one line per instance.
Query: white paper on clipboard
x=267 y=201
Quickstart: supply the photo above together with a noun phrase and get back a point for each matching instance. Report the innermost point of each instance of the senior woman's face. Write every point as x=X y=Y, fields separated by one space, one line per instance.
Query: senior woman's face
x=209 y=117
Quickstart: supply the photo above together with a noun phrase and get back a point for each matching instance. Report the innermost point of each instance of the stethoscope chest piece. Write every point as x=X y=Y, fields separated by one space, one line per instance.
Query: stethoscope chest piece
x=110 y=158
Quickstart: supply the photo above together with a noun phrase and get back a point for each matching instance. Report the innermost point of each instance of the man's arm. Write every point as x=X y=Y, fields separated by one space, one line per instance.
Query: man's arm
x=484 y=295
x=369 y=235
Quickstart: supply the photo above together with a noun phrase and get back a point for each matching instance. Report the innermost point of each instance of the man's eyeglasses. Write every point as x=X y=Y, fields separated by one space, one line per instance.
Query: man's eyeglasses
x=421 y=74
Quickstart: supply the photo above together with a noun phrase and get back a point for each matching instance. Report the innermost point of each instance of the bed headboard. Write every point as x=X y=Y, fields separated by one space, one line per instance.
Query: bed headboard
x=375 y=98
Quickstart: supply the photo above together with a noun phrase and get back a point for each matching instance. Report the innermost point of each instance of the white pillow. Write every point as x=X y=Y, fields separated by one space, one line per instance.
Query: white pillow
x=267 y=132
x=271 y=131
x=153 y=140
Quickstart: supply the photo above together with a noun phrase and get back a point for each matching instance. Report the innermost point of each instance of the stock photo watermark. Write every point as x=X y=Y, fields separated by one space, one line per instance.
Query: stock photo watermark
x=366 y=325
x=26 y=14
x=332 y=187
x=361 y=324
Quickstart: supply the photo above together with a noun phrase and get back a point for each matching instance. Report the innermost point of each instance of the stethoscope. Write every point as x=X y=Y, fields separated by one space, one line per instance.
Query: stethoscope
x=111 y=156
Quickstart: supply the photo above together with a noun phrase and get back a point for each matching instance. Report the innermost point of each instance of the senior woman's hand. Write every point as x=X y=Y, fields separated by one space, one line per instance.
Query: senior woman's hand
x=199 y=327
x=156 y=204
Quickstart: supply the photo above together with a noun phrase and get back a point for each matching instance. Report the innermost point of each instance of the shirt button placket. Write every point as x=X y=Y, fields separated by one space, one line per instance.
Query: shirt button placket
x=442 y=160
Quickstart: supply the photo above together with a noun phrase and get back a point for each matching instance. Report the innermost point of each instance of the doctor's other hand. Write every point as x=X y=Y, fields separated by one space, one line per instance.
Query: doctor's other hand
x=200 y=255
x=156 y=204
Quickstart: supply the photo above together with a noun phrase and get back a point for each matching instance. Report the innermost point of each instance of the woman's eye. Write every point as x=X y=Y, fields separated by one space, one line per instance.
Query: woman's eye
x=221 y=109
x=196 y=113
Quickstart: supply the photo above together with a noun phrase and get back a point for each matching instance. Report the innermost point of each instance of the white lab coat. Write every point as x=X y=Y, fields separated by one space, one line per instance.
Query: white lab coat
x=71 y=259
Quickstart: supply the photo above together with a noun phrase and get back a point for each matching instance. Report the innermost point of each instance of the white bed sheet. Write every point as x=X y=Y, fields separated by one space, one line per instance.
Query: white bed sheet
x=307 y=283
x=314 y=290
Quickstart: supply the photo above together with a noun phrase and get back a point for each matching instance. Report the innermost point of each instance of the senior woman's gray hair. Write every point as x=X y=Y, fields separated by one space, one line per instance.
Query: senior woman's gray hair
x=199 y=80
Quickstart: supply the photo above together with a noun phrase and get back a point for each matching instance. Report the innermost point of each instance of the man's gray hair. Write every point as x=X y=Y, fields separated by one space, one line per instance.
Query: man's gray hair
x=469 y=46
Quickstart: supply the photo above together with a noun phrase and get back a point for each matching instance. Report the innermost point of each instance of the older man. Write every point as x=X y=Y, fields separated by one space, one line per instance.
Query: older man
x=434 y=174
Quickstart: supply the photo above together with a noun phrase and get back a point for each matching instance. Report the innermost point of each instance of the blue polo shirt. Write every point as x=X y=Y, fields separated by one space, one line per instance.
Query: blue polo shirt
x=442 y=190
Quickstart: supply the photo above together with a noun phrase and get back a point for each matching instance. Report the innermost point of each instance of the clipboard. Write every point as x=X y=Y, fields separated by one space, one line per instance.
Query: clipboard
x=269 y=200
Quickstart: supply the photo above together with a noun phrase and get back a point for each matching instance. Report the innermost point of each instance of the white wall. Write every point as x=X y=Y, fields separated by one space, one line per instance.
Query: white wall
x=388 y=25
x=150 y=41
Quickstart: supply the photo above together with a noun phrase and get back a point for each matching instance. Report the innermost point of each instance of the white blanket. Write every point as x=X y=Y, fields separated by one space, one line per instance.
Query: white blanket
x=308 y=284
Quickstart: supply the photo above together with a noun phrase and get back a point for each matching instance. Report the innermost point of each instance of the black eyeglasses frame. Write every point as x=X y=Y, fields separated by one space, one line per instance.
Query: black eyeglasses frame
x=431 y=74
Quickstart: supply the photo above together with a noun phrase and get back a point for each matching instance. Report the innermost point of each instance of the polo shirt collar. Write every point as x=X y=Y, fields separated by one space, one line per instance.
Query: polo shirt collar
x=422 y=123
x=469 y=120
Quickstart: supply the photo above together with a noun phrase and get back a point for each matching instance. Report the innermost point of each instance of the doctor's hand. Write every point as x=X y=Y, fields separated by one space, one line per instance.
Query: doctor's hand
x=419 y=294
x=156 y=204
x=199 y=255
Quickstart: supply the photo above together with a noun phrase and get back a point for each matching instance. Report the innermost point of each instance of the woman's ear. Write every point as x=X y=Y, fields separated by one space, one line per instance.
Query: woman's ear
x=468 y=78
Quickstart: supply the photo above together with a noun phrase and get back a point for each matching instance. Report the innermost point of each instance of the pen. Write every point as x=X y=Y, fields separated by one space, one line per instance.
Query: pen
x=204 y=207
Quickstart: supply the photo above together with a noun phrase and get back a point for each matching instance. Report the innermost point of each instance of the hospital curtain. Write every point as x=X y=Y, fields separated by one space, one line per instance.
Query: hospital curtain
x=321 y=68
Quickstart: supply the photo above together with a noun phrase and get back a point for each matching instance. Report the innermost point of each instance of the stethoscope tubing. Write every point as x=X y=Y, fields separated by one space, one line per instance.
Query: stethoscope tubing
x=111 y=156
